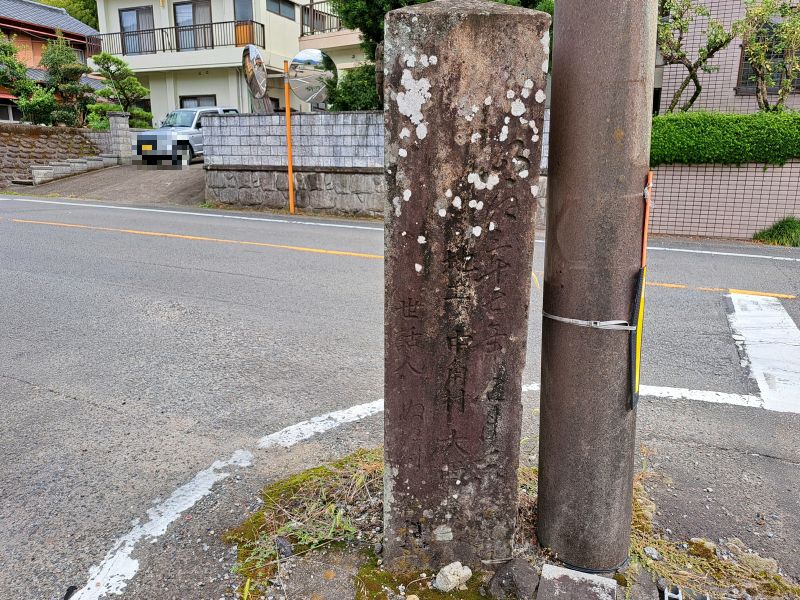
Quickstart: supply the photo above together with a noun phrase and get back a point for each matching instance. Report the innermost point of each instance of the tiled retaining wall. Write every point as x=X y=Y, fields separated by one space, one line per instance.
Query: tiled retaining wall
x=722 y=200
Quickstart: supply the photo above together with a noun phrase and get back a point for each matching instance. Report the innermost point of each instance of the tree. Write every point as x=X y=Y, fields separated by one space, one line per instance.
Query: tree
x=83 y=10
x=354 y=90
x=770 y=34
x=40 y=107
x=367 y=16
x=676 y=18
x=13 y=73
x=122 y=87
x=64 y=74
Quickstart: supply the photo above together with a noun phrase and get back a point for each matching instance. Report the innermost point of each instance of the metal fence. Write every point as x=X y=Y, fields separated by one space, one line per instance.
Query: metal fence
x=202 y=36
x=320 y=17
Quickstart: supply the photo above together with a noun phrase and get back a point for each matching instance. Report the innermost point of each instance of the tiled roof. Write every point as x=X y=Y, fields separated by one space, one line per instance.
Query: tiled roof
x=40 y=75
x=41 y=14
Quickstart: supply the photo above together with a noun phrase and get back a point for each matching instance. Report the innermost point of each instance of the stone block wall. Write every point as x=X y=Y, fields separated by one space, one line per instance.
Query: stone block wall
x=338 y=161
x=24 y=145
x=723 y=200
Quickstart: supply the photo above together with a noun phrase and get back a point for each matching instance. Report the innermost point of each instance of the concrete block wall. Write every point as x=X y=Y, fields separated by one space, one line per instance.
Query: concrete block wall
x=320 y=140
x=338 y=161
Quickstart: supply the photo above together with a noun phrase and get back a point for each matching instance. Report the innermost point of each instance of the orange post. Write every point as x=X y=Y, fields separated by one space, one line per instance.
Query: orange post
x=289 y=159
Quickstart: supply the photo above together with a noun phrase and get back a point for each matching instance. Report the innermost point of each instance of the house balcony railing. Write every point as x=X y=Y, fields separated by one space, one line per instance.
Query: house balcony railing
x=185 y=38
x=320 y=17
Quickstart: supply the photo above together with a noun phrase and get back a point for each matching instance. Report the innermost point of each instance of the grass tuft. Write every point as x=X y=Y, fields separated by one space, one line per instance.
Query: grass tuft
x=785 y=232
x=342 y=504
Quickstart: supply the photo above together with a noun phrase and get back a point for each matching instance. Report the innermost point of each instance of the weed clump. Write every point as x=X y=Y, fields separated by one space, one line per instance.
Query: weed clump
x=785 y=232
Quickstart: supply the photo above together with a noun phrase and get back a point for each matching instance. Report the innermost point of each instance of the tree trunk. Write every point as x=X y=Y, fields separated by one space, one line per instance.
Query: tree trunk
x=676 y=98
x=697 y=89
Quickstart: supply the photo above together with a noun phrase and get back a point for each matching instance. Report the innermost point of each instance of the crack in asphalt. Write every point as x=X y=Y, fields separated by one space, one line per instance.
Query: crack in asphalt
x=693 y=444
x=63 y=394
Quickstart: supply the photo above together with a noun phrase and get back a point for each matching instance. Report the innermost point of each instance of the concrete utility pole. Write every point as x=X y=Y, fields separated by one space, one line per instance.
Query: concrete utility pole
x=599 y=160
x=464 y=111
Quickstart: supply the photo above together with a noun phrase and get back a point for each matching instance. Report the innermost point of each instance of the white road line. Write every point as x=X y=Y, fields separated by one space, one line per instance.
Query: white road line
x=771 y=341
x=191 y=214
x=302 y=431
x=112 y=575
x=672 y=393
x=716 y=253
x=701 y=396
x=340 y=225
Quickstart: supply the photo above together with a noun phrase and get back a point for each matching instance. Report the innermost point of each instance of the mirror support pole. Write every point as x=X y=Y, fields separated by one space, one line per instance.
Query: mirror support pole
x=289 y=159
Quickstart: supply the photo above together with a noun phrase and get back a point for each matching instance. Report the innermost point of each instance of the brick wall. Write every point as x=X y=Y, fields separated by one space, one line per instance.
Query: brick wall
x=719 y=88
x=722 y=200
x=24 y=145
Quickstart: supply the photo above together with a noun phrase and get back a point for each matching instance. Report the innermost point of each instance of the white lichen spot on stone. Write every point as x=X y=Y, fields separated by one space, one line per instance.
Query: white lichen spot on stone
x=423 y=60
x=448 y=194
x=404 y=234
x=533 y=126
x=535 y=139
x=528 y=85
x=411 y=60
x=491 y=181
x=418 y=267
x=457 y=202
x=507 y=120
x=523 y=120
x=443 y=533
x=492 y=226
x=523 y=174
x=396 y=203
x=511 y=94
x=488 y=101
x=526 y=92
x=517 y=108
x=503 y=134
x=433 y=60
x=411 y=101
x=442 y=212
x=541 y=96
x=405 y=133
x=407 y=195
x=535 y=191
x=421 y=240
x=545 y=66
x=479 y=206
x=422 y=131
x=475 y=137
x=546 y=43
x=473 y=203
x=403 y=152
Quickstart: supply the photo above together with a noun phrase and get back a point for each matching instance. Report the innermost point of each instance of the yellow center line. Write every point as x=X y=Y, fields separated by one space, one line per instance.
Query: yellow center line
x=203 y=239
x=679 y=286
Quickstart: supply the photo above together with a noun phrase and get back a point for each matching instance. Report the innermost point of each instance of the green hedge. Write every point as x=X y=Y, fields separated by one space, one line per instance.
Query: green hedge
x=698 y=138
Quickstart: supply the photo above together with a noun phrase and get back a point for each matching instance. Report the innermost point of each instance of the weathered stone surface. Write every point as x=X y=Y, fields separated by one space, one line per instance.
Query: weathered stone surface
x=517 y=579
x=558 y=583
x=465 y=105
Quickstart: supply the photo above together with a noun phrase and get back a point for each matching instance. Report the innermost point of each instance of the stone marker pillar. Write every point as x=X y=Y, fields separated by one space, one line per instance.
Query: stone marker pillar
x=464 y=104
x=598 y=165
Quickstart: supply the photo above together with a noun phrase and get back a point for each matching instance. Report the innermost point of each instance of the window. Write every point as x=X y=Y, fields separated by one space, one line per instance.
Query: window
x=193 y=28
x=138 y=35
x=284 y=8
x=747 y=81
x=198 y=101
x=243 y=10
x=9 y=111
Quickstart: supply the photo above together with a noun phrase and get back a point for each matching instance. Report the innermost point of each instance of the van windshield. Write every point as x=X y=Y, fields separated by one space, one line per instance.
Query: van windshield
x=179 y=118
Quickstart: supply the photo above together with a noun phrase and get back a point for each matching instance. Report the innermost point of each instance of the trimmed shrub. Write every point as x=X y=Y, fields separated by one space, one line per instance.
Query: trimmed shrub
x=785 y=232
x=698 y=138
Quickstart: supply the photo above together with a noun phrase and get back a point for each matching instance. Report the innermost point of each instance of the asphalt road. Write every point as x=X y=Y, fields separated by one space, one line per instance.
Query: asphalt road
x=138 y=348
